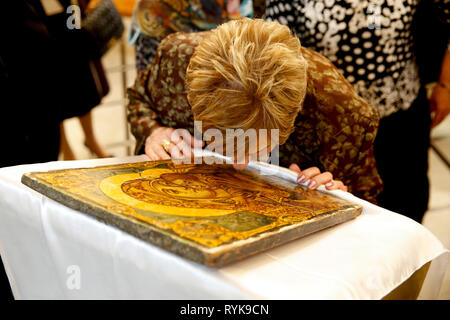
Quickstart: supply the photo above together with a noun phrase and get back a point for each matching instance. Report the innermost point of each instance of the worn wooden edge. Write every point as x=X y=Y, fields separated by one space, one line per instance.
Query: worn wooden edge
x=215 y=257
x=270 y=239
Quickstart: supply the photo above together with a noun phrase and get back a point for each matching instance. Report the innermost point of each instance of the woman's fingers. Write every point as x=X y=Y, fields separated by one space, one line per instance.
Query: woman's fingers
x=180 y=139
x=182 y=143
x=183 y=136
x=341 y=186
x=317 y=180
x=159 y=150
x=314 y=178
x=336 y=185
x=307 y=174
x=196 y=143
x=151 y=154
x=295 y=168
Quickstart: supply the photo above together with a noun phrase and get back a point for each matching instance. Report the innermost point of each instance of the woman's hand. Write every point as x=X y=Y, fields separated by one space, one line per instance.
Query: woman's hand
x=439 y=104
x=314 y=178
x=440 y=98
x=164 y=143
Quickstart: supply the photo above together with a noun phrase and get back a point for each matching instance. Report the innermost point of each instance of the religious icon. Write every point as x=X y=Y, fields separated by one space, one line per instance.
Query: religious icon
x=211 y=214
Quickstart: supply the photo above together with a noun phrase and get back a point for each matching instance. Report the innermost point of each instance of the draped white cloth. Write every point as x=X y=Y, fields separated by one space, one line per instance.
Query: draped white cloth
x=53 y=252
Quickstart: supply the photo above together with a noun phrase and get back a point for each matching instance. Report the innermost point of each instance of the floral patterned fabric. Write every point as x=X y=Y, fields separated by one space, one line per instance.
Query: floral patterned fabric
x=371 y=42
x=155 y=19
x=159 y=18
x=334 y=131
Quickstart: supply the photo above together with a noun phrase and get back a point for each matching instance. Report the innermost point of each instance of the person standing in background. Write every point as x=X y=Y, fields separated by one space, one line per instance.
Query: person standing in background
x=31 y=85
x=30 y=126
x=373 y=44
x=87 y=84
x=45 y=77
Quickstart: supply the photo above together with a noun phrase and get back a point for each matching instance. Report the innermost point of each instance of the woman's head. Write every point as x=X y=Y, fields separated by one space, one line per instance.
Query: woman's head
x=247 y=74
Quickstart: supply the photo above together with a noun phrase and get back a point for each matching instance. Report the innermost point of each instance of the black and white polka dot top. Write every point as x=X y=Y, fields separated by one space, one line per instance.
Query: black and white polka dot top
x=369 y=41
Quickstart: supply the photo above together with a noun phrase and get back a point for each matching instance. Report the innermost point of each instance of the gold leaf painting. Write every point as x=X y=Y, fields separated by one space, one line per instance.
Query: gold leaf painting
x=211 y=214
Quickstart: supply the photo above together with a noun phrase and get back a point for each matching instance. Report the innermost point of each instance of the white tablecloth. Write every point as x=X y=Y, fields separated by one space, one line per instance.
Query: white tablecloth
x=53 y=252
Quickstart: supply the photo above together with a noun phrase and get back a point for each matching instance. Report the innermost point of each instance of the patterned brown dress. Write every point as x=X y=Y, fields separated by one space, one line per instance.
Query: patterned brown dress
x=334 y=131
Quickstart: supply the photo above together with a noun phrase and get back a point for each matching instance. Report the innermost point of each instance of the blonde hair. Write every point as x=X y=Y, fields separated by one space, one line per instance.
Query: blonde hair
x=247 y=73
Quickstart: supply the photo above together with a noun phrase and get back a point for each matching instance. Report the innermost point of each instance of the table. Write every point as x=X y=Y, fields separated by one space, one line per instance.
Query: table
x=53 y=252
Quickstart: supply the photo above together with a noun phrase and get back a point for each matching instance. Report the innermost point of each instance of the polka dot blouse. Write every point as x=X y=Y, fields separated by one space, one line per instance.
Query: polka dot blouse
x=370 y=42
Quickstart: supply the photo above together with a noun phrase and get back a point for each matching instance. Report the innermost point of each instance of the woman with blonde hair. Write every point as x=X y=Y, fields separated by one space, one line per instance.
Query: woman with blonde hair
x=251 y=74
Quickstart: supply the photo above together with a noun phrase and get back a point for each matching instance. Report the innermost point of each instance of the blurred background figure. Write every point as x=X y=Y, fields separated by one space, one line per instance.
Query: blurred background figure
x=55 y=63
x=31 y=77
x=155 y=19
x=81 y=56
x=49 y=72
x=375 y=45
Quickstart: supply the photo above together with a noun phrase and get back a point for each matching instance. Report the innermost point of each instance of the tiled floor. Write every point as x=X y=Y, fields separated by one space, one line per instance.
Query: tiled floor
x=111 y=130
